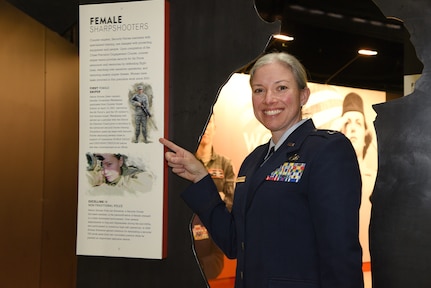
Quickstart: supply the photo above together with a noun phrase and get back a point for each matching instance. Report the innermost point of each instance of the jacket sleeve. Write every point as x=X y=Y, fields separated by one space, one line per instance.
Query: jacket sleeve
x=203 y=198
x=334 y=196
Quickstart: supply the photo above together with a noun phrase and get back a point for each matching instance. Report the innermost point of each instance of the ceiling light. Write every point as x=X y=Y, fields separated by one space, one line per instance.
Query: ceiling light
x=367 y=52
x=335 y=15
x=283 y=37
x=359 y=20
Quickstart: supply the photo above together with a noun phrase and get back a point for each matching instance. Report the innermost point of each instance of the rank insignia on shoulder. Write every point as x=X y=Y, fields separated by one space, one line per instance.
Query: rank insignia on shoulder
x=288 y=172
x=240 y=179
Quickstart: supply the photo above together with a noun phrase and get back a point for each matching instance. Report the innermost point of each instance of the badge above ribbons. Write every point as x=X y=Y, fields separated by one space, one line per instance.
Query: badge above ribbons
x=288 y=172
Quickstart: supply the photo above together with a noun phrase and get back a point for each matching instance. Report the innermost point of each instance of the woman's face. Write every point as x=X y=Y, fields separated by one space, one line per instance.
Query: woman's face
x=354 y=129
x=111 y=167
x=276 y=98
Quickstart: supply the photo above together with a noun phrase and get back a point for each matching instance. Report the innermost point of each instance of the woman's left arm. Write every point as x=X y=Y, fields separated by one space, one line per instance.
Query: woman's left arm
x=334 y=197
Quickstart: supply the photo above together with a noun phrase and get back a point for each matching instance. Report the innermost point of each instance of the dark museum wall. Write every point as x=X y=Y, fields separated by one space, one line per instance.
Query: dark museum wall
x=400 y=227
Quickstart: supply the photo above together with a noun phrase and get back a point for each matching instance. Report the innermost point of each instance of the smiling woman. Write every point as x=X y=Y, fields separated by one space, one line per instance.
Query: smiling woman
x=284 y=204
x=277 y=100
x=325 y=107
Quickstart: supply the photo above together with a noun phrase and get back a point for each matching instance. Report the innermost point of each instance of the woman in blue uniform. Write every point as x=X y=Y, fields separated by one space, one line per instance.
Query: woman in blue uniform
x=294 y=220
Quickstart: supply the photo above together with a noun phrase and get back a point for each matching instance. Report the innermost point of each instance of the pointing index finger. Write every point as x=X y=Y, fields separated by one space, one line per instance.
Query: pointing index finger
x=169 y=144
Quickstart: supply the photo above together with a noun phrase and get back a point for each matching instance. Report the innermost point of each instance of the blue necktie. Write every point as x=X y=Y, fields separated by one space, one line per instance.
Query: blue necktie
x=271 y=151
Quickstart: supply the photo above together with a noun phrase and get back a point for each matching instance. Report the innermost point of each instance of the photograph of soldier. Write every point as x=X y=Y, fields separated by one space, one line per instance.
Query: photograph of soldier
x=110 y=174
x=353 y=124
x=211 y=258
x=141 y=103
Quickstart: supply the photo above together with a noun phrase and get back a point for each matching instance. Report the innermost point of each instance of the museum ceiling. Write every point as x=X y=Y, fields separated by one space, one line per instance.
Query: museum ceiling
x=327 y=36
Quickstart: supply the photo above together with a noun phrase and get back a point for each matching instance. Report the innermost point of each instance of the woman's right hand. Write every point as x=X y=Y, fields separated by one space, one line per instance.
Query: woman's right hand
x=183 y=163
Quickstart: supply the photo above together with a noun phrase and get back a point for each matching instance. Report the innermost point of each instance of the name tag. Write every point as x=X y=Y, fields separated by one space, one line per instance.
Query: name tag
x=288 y=172
x=216 y=173
x=240 y=179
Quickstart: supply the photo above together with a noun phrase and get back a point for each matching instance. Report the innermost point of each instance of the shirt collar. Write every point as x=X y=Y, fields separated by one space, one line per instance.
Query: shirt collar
x=285 y=135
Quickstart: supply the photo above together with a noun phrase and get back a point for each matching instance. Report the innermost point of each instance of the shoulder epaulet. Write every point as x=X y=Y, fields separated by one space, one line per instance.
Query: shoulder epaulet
x=324 y=132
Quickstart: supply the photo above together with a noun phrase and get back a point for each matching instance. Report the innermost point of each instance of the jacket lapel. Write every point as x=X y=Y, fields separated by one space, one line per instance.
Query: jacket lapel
x=287 y=150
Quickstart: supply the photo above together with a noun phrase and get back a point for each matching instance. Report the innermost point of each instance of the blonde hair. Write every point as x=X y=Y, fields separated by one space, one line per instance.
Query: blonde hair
x=287 y=60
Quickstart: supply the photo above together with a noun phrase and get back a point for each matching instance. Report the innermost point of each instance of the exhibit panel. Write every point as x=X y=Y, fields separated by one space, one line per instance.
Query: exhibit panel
x=121 y=208
x=327 y=106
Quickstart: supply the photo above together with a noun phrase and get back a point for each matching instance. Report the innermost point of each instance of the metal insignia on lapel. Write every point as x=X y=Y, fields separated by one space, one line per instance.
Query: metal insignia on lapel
x=240 y=179
x=294 y=157
x=291 y=144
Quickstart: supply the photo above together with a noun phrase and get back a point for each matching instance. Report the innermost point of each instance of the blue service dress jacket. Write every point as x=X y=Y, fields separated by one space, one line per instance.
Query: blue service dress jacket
x=295 y=219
